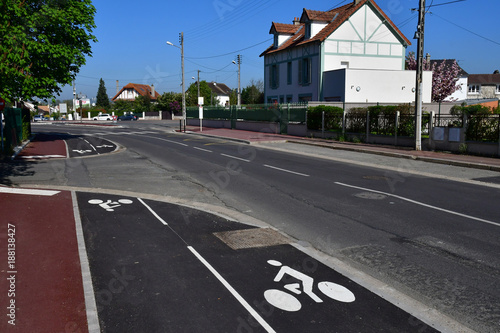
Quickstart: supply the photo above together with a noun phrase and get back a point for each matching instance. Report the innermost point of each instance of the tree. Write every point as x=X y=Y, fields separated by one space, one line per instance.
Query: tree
x=254 y=93
x=169 y=101
x=43 y=45
x=102 y=96
x=444 y=78
x=142 y=103
x=205 y=92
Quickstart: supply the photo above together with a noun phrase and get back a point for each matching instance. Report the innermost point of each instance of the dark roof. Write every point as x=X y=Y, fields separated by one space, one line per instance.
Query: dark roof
x=449 y=63
x=142 y=89
x=219 y=88
x=334 y=19
x=484 y=79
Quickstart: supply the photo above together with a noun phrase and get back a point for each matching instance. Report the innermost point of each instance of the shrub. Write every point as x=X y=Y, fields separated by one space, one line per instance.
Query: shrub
x=333 y=117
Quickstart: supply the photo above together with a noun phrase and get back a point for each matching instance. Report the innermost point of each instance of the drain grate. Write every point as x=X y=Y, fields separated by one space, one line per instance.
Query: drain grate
x=250 y=238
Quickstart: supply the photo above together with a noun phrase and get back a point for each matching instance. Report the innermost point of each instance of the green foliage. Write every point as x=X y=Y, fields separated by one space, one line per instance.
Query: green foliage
x=170 y=101
x=43 y=45
x=253 y=94
x=142 y=104
x=121 y=106
x=333 y=117
x=102 y=96
x=205 y=92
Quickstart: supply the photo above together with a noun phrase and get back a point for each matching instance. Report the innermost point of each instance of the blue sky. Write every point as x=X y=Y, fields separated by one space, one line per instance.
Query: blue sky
x=132 y=38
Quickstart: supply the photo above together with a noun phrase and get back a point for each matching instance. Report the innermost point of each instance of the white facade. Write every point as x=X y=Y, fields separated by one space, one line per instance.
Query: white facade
x=128 y=94
x=461 y=93
x=374 y=86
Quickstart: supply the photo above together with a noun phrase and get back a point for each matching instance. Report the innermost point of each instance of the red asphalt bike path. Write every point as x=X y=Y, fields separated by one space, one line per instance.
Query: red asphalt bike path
x=41 y=288
x=44 y=146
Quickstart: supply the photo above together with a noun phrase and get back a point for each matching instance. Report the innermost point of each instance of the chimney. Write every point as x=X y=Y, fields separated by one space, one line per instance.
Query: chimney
x=296 y=21
x=153 y=93
x=117 y=87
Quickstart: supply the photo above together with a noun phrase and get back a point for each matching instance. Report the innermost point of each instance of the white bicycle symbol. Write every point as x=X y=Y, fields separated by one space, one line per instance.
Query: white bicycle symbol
x=288 y=302
x=110 y=205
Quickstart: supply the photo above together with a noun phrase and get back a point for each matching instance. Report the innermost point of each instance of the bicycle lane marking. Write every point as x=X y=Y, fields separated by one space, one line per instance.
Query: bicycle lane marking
x=144 y=276
x=328 y=300
x=240 y=299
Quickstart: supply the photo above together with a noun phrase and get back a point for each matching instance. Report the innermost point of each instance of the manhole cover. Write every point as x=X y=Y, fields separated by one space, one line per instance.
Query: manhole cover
x=250 y=238
x=370 y=195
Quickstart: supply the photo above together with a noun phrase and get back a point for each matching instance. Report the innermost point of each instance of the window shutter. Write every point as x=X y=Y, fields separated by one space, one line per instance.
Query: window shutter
x=300 y=71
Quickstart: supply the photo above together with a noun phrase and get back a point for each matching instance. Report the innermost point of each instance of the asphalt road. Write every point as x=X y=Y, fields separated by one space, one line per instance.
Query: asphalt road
x=158 y=268
x=431 y=238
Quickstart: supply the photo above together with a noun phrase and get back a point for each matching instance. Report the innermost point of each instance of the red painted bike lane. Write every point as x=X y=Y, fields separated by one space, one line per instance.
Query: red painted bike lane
x=41 y=286
x=44 y=146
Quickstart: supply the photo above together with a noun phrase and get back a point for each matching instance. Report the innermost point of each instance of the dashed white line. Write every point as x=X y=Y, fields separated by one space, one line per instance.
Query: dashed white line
x=421 y=204
x=285 y=170
x=240 y=299
x=152 y=212
x=171 y=141
x=206 y=150
x=237 y=158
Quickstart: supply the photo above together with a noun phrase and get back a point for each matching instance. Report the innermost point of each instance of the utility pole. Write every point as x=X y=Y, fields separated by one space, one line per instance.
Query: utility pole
x=181 y=40
x=239 y=80
x=420 y=68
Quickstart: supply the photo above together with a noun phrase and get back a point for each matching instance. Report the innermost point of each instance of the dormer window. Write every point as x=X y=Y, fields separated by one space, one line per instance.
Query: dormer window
x=308 y=30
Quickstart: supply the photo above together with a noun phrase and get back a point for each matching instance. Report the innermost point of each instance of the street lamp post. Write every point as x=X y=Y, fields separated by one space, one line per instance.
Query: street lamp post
x=181 y=39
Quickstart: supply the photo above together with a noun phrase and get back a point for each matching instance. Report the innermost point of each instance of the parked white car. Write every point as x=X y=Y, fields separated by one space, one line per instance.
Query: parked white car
x=103 y=116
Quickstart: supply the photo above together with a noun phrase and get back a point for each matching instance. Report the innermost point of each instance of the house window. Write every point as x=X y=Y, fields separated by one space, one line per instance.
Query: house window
x=289 y=72
x=307 y=33
x=274 y=77
x=276 y=40
x=498 y=89
x=474 y=88
x=305 y=71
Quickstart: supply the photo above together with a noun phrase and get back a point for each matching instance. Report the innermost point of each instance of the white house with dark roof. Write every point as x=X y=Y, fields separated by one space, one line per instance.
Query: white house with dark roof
x=484 y=86
x=353 y=53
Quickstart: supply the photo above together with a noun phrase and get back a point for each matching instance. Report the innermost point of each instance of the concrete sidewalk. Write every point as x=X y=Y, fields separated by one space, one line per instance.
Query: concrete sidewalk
x=469 y=161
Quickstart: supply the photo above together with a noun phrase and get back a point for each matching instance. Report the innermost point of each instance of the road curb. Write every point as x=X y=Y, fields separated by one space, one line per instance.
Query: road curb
x=406 y=156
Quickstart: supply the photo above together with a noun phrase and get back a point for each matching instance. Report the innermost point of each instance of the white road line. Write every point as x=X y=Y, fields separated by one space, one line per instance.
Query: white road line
x=152 y=212
x=88 y=289
x=208 y=151
x=236 y=158
x=285 y=170
x=171 y=141
x=91 y=145
x=40 y=157
x=421 y=204
x=45 y=193
x=240 y=299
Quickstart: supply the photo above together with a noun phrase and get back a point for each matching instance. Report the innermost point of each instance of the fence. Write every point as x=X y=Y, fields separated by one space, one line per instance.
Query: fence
x=392 y=125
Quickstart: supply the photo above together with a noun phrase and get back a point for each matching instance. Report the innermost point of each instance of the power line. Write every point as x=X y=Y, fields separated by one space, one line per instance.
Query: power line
x=470 y=31
x=445 y=3
x=230 y=53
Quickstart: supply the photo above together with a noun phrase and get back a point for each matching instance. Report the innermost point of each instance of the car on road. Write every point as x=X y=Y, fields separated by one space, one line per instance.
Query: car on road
x=127 y=117
x=103 y=116
x=39 y=118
